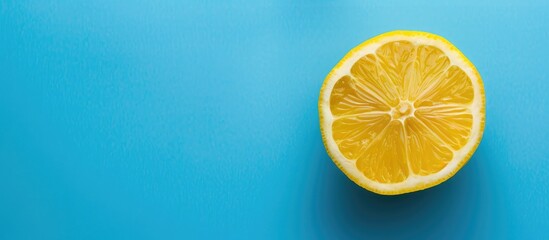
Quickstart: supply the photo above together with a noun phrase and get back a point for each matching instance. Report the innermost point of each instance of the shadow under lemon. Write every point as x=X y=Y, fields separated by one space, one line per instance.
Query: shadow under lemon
x=342 y=208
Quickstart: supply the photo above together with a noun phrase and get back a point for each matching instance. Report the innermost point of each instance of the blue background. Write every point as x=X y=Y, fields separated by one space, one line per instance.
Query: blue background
x=198 y=119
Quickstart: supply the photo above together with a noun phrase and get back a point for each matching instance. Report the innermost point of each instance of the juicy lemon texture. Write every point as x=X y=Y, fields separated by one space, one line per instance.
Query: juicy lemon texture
x=402 y=112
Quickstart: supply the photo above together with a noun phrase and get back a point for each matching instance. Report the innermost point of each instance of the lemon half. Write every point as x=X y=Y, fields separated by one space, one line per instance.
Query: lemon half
x=402 y=112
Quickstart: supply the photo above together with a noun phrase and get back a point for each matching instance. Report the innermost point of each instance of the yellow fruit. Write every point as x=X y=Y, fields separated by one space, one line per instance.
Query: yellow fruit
x=402 y=112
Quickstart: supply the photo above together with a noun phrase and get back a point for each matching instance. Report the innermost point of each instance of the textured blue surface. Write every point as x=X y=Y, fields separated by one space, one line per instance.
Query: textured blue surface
x=177 y=120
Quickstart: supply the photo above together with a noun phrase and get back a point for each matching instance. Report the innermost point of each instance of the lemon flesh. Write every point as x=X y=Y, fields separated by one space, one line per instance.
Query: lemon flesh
x=402 y=112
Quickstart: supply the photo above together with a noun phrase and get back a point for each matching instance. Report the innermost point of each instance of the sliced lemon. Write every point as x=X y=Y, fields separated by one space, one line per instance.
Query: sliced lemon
x=402 y=112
